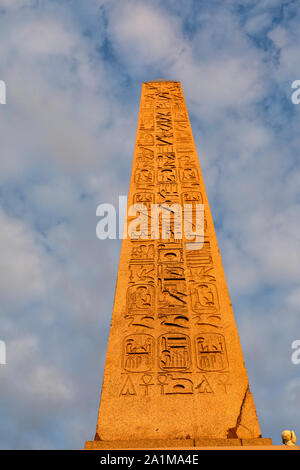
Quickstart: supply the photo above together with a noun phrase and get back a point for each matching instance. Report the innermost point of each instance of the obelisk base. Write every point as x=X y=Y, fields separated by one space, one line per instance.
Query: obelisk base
x=187 y=444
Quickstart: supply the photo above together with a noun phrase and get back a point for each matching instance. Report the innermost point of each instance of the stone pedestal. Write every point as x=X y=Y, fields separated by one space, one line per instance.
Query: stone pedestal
x=182 y=444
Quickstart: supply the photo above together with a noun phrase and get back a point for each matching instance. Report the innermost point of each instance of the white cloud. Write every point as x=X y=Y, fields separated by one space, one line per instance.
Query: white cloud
x=226 y=73
x=293 y=299
x=258 y=23
x=292 y=391
x=20 y=263
x=15 y=4
x=279 y=36
x=142 y=34
x=45 y=36
x=290 y=404
x=34 y=393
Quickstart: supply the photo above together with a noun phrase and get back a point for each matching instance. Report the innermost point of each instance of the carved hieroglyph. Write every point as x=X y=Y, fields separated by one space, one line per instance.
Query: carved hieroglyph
x=174 y=366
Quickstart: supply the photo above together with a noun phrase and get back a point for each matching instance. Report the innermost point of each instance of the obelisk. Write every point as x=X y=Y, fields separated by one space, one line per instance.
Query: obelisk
x=174 y=373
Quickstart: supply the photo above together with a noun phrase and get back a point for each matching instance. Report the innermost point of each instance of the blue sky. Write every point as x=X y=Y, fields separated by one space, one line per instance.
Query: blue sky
x=73 y=72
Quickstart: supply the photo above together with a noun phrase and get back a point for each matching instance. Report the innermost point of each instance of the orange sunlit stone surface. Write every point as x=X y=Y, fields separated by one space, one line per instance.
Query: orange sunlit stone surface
x=174 y=373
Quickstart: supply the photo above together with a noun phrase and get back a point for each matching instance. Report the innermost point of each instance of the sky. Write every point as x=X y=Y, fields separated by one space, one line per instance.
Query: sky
x=73 y=71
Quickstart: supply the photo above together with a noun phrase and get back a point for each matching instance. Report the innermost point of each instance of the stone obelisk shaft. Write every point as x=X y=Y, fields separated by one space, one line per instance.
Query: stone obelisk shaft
x=174 y=367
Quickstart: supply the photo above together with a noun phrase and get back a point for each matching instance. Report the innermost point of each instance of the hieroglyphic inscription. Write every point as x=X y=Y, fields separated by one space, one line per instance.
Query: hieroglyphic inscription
x=138 y=353
x=165 y=383
x=174 y=351
x=174 y=384
x=127 y=387
x=211 y=352
x=172 y=291
x=174 y=367
x=204 y=298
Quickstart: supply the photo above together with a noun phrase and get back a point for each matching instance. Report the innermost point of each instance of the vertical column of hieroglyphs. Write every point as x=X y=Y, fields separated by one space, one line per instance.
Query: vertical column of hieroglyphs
x=139 y=342
x=187 y=302
x=172 y=309
x=208 y=344
x=173 y=322
x=157 y=356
